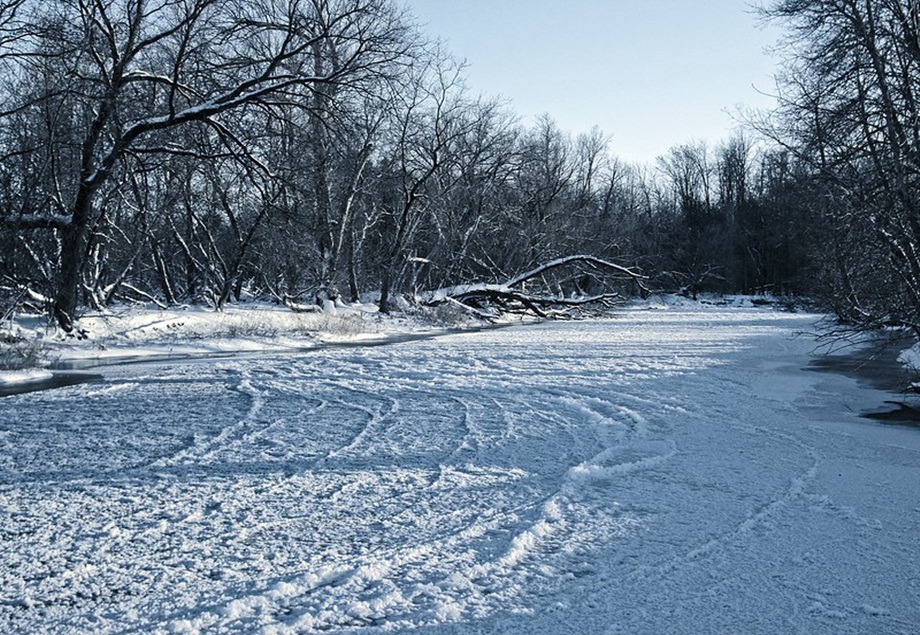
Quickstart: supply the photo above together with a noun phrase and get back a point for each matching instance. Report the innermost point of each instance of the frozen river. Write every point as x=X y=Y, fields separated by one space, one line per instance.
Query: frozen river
x=672 y=471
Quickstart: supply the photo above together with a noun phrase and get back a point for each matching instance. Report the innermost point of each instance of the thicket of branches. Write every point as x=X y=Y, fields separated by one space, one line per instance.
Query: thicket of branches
x=312 y=151
x=849 y=111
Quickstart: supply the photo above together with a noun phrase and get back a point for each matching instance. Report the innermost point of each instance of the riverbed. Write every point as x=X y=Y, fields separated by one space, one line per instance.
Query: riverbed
x=677 y=470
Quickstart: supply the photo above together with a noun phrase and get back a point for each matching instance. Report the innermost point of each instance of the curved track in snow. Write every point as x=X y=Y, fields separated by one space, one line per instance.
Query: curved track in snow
x=664 y=471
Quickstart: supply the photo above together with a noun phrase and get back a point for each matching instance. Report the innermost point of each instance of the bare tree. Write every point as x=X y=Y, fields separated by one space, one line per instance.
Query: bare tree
x=146 y=68
x=470 y=223
x=849 y=107
x=544 y=179
x=733 y=165
x=687 y=168
x=428 y=120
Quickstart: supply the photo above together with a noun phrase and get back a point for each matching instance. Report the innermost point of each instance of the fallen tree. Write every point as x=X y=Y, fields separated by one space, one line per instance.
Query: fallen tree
x=542 y=291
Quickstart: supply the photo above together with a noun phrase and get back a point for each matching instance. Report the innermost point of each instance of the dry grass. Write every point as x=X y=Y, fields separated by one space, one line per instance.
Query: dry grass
x=17 y=353
x=273 y=324
x=336 y=325
x=444 y=315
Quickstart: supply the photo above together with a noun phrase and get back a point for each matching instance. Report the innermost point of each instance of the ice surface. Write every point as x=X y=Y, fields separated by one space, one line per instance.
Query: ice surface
x=665 y=471
x=17 y=377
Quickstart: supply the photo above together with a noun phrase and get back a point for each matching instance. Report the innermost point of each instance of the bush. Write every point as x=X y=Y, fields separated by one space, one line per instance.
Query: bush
x=16 y=353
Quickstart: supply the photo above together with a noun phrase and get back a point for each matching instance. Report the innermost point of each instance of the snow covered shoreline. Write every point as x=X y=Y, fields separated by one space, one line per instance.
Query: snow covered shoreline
x=133 y=334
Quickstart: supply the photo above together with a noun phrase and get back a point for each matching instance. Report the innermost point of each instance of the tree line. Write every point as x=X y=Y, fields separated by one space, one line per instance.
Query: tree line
x=314 y=151
x=848 y=110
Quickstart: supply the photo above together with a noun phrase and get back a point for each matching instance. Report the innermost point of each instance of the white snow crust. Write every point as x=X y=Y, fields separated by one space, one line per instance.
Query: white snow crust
x=28 y=376
x=134 y=333
x=663 y=471
x=910 y=358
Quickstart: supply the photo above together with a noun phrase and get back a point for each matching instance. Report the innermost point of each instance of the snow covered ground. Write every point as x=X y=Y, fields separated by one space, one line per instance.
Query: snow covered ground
x=257 y=327
x=663 y=471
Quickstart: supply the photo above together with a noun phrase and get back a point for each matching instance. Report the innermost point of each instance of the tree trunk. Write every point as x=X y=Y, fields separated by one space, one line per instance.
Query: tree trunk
x=73 y=247
x=353 y=268
x=385 y=285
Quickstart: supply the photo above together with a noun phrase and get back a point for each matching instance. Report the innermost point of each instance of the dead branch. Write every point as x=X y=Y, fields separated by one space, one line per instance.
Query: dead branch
x=510 y=296
x=584 y=259
x=298 y=307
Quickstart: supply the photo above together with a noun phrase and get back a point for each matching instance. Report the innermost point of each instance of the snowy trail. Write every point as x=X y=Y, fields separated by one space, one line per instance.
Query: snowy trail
x=663 y=471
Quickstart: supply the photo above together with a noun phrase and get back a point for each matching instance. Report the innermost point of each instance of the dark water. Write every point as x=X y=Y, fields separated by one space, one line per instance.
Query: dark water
x=876 y=365
x=901 y=413
x=57 y=380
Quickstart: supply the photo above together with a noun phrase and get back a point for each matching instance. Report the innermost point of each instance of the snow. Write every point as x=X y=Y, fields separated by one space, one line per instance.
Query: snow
x=910 y=358
x=672 y=470
x=132 y=334
x=18 y=377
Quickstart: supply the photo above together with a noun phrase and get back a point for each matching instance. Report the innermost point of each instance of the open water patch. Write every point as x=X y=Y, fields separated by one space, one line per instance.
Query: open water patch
x=900 y=414
x=875 y=364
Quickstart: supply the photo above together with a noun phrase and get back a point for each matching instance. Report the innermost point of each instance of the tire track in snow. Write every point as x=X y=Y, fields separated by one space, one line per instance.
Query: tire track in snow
x=420 y=419
x=622 y=434
x=385 y=590
x=754 y=519
x=553 y=537
x=386 y=579
x=202 y=451
x=465 y=444
x=374 y=417
x=571 y=519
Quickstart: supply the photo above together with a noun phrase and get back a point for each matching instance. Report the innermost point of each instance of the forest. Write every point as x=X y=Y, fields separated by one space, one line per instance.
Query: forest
x=322 y=151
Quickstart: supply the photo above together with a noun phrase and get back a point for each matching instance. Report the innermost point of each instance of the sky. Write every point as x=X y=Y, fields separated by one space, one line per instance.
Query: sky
x=652 y=74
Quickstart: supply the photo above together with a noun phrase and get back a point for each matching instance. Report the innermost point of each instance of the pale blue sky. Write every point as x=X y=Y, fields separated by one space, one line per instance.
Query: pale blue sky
x=651 y=73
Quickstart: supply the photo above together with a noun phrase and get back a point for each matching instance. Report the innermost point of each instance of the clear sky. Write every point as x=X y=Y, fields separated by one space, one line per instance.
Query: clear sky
x=650 y=73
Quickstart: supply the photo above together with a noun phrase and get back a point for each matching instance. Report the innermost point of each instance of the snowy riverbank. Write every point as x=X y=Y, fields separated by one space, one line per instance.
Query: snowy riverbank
x=131 y=332
x=137 y=333
x=52 y=358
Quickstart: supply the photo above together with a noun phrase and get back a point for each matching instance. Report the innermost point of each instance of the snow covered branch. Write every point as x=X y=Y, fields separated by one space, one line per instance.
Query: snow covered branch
x=512 y=297
x=593 y=261
x=37 y=221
